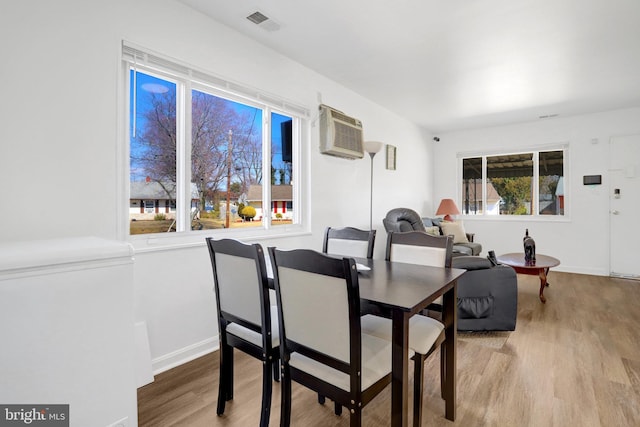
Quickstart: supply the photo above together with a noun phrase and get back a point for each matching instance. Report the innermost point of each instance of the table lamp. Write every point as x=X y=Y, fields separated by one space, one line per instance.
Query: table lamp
x=447 y=208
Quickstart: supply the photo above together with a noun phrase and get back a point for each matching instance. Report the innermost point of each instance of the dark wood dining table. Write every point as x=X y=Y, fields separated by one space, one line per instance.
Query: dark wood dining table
x=403 y=290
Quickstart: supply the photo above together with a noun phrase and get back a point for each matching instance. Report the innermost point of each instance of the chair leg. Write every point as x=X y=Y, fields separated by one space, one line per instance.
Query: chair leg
x=321 y=399
x=222 y=391
x=230 y=370
x=226 y=374
x=418 y=382
x=285 y=400
x=266 y=394
x=337 y=409
x=355 y=420
x=443 y=370
x=276 y=370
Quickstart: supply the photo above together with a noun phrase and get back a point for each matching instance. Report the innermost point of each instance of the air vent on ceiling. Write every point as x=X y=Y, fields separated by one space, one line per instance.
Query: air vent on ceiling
x=263 y=21
x=257 y=18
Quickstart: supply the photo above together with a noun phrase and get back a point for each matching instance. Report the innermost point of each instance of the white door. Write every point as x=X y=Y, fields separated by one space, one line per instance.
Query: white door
x=624 y=206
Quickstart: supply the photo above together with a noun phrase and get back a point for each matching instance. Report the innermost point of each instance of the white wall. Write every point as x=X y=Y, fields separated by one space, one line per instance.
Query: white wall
x=66 y=311
x=581 y=240
x=60 y=144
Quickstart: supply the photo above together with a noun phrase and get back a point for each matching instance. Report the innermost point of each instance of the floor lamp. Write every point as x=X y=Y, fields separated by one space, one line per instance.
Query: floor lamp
x=372 y=147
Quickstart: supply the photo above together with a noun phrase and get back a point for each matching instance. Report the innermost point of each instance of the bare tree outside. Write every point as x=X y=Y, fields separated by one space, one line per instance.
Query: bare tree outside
x=212 y=118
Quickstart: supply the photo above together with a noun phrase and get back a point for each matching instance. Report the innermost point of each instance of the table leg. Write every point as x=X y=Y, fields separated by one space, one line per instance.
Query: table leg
x=399 y=368
x=543 y=282
x=449 y=317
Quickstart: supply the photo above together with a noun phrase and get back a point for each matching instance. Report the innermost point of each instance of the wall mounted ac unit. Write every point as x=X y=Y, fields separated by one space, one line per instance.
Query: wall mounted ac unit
x=340 y=135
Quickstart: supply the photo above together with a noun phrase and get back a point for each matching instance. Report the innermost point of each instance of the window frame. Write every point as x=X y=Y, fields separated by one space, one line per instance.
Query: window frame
x=188 y=78
x=535 y=150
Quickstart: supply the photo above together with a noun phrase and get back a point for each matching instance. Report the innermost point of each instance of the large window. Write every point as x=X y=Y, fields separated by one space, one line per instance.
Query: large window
x=203 y=156
x=530 y=183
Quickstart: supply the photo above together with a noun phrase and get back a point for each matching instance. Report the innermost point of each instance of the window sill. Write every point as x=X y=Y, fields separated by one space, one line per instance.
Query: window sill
x=172 y=241
x=516 y=218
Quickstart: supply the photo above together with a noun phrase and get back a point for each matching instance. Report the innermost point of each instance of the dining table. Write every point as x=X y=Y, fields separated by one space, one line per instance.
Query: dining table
x=403 y=290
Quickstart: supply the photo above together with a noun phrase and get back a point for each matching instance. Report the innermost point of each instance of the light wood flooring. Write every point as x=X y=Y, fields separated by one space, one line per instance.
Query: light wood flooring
x=574 y=361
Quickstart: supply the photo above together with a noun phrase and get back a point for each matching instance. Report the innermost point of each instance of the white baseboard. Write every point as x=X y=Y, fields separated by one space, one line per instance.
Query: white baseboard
x=580 y=270
x=184 y=355
x=144 y=374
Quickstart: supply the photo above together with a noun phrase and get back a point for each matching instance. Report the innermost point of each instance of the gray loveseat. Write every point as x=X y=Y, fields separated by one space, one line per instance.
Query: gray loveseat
x=464 y=248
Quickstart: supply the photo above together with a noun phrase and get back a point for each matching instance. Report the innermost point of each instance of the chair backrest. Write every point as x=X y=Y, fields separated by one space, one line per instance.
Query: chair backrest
x=241 y=285
x=402 y=219
x=349 y=241
x=317 y=293
x=417 y=247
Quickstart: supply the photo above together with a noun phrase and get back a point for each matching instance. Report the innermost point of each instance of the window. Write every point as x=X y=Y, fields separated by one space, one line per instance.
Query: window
x=203 y=156
x=149 y=206
x=530 y=183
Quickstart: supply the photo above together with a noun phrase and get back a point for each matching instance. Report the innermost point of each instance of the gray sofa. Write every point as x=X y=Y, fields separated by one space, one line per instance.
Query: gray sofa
x=487 y=295
x=464 y=248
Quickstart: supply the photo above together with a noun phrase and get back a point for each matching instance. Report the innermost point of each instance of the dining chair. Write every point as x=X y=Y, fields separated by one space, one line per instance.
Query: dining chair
x=321 y=343
x=246 y=319
x=349 y=241
x=417 y=247
x=425 y=333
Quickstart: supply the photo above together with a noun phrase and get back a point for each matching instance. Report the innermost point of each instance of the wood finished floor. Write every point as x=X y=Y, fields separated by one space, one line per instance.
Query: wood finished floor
x=574 y=361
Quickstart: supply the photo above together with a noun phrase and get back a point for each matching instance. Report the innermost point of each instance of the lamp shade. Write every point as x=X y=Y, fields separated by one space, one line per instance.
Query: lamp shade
x=372 y=147
x=447 y=208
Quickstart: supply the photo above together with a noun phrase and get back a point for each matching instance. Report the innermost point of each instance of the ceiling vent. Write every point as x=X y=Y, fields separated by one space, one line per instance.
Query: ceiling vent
x=263 y=21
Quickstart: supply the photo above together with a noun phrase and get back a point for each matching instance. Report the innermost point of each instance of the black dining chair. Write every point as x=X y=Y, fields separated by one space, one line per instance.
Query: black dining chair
x=246 y=319
x=322 y=346
x=425 y=333
x=349 y=241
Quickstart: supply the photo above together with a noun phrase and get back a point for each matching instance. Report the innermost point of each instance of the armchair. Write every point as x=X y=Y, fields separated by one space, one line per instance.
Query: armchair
x=403 y=219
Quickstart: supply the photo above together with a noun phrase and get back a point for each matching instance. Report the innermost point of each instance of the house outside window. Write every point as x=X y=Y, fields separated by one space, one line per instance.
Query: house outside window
x=197 y=148
x=515 y=184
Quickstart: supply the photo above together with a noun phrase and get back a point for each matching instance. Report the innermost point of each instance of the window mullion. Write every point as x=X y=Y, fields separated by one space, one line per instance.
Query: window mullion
x=183 y=171
x=188 y=136
x=295 y=171
x=267 y=203
x=484 y=186
x=535 y=199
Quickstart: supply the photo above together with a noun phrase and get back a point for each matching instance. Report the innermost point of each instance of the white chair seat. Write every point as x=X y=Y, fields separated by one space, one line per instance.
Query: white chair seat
x=423 y=330
x=256 y=337
x=376 y=363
